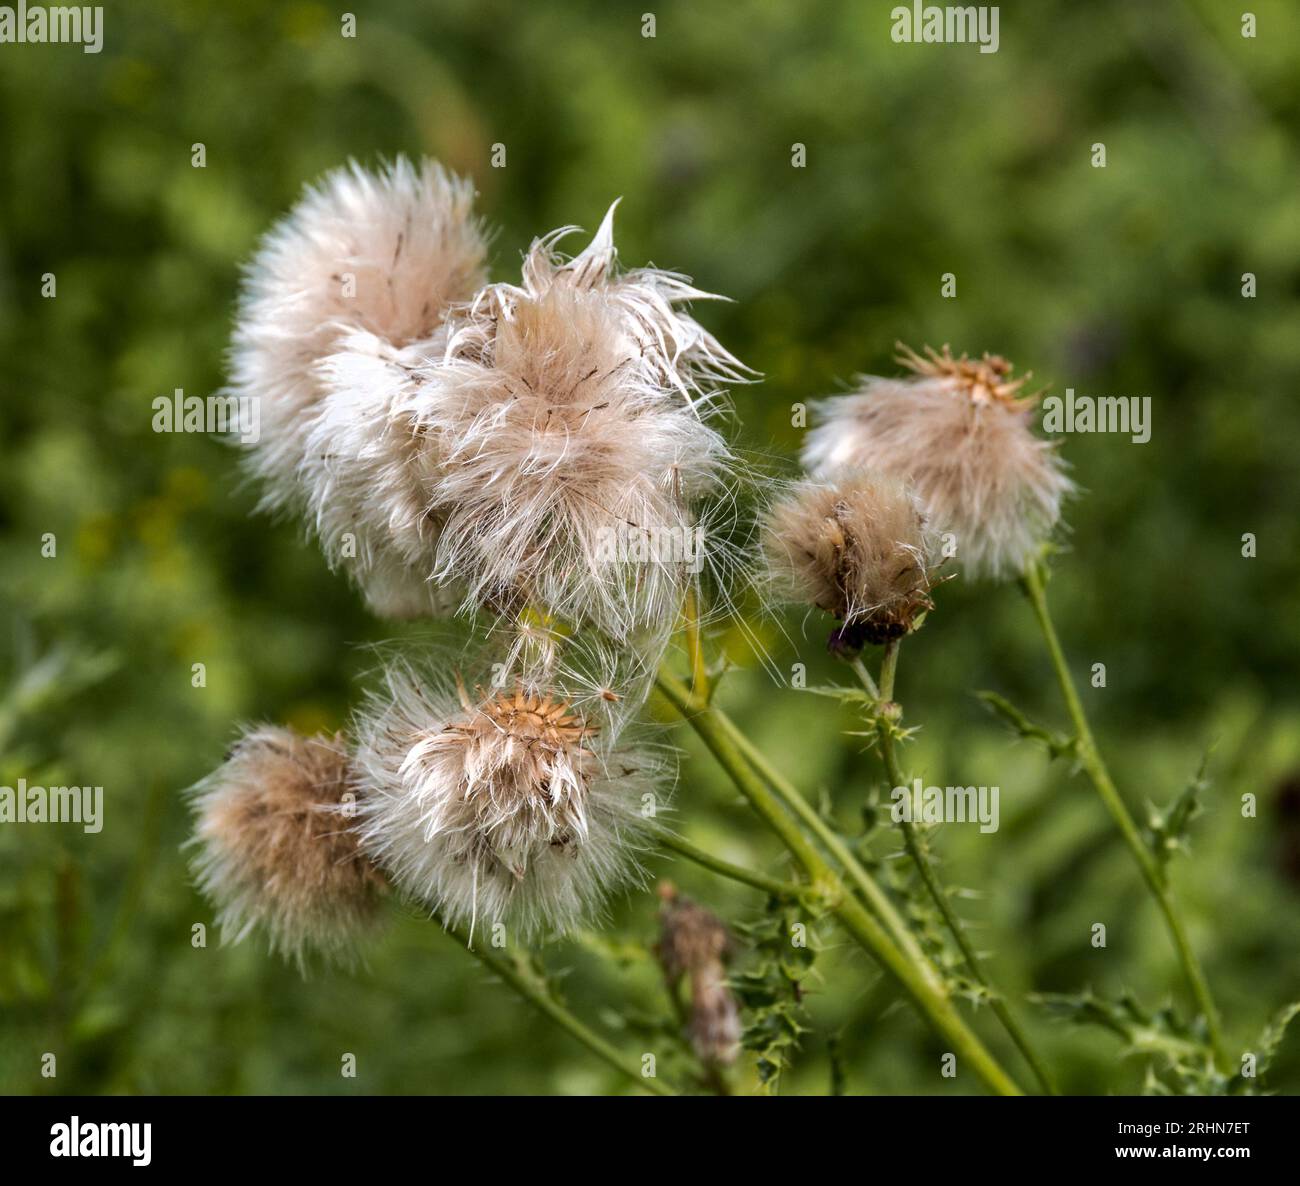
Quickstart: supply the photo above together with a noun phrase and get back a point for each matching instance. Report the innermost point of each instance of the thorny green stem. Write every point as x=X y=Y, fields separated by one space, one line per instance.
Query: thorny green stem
x=704 y=721
x=750 y=877
x=915 y=850
x=516 y=974
x=1033 y=583
x=870 y=889
x=863 y=926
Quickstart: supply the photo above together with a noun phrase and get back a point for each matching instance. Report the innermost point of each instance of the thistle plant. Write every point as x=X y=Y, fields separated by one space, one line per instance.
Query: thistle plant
x=521 y=462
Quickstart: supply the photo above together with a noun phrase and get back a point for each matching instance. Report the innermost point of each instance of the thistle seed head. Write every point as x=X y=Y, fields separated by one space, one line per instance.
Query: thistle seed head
x=578 y=468
x=959 y=433
x=501 y=805
x=857 y=548
x=367 y=471
x=276 y=848
x=383 y=255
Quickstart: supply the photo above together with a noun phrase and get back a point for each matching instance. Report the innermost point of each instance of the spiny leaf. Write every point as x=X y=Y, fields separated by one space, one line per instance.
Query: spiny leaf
x=770 y=990
x=1270 y=1040
x=1182 y=1062
x=848 y=695
x=1167 y=831
x=1058 y=745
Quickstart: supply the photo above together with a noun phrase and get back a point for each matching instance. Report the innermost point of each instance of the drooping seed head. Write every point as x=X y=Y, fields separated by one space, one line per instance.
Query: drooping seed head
x=694 y=943
x=857 y=548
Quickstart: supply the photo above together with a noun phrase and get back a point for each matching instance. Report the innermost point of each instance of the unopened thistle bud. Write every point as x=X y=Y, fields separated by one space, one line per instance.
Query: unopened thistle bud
x=276 y=849
x=857 y=548
x=695 y=944
x=504 y=805
x=959 y=432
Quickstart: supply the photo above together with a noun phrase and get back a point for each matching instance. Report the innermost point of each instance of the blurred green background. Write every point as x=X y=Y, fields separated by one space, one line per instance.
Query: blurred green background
x=921 y=160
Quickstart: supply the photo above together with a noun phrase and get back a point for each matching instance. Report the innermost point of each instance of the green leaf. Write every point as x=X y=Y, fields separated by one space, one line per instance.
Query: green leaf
x=770 y=990
x=848 y=695
x=1181 y=1059
x=1270 y=1040
x=1167 y=831
x=1058 y=745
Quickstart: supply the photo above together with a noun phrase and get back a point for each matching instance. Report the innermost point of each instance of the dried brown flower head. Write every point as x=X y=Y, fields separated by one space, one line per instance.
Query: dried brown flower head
x=857 y=548
x=695 y=944
x=983 y=380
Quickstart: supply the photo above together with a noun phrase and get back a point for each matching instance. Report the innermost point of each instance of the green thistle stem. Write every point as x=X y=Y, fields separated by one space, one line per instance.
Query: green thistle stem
x=1033 y=583
x=866 y=885
x=933 y=1003
x=516 y=973
x=915 y=850
x=750 y=877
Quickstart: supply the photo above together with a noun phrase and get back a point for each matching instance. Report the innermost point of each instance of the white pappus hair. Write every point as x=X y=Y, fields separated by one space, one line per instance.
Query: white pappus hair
x=579 y=470
x=381 y=254
x=501 y=805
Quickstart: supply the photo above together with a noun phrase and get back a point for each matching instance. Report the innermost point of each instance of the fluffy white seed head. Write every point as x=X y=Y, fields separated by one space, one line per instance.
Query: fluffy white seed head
x=579 y=471
x=960 y=433
x=677 y=351
x=368 y=470
x=276 y=849
x=501 y=805
x=380 y=256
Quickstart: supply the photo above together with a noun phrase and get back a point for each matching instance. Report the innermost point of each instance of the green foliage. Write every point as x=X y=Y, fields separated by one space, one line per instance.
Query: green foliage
x=1057 y=745
x=771 y=988
x=1167 y=830
x=1269 y=1044
x=1178 y=1058
x=921 y=160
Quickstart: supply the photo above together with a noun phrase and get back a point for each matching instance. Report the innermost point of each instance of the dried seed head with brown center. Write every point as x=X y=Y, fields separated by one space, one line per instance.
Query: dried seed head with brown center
x=526 y=771
x=959 y=433
x=981 y=380
x=505 y=806
x=276 y=846
x=857 y=548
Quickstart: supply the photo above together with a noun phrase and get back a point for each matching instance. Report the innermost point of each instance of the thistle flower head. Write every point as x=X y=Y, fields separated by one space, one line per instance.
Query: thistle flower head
x=276 y=848
x=858 y=548
x=959 y=432
x=576 y=454
x=504 y=804
x=367 y=470
x=676 y=349
x=695 y=944
x=383 y=255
